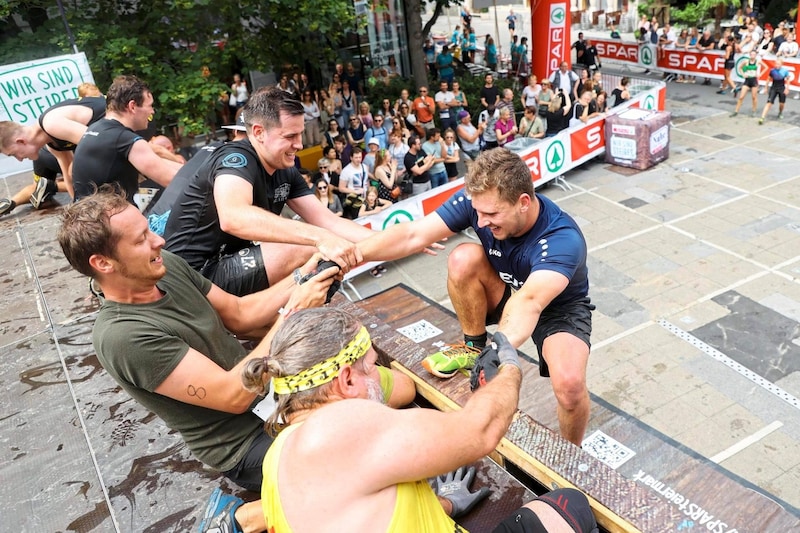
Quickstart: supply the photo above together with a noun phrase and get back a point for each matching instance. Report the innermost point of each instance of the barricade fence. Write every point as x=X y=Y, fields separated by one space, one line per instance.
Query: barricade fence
x=547 y=159
x=705 y=64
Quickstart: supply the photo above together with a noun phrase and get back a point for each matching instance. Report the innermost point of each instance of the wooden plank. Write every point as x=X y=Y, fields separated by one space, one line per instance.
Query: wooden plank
x=662 y=487
x=506 y=495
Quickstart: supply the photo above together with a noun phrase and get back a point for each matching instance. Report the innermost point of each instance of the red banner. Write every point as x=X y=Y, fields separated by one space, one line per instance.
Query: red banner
x=535 y=165
x=617 y=50
x=691 y=62
x=550 y=26
x=586 y=140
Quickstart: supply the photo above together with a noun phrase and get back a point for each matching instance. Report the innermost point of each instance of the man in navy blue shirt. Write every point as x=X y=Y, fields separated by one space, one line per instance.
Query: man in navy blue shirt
x=528 y=275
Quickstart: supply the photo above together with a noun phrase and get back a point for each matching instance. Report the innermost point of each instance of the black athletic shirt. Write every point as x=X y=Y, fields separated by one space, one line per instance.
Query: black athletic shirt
x=163 y=202
x=193 y=230
x=96 y=103
x=102 y=157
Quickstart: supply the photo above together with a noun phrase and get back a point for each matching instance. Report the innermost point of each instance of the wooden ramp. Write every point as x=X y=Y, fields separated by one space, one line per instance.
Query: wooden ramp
x=662 y=487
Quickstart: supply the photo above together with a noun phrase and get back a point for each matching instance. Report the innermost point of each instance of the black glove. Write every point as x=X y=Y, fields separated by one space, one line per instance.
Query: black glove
x=499 y=352
x=454 y=486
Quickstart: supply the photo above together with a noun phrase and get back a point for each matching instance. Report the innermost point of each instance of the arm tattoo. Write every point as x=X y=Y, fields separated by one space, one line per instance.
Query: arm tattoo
x=199 y=392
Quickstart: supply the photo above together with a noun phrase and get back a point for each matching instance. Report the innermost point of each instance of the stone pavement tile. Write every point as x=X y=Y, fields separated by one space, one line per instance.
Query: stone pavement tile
x=785 y=144
x=619 y=308
x=743 y=167
x=790 y=383
x=673 y=417
x=667 y=193
x=786 y=485
x=776 y=292
x=686 y=112
x=723 y=128
x=792 y=268
x=698 y=314
x=604 y=327
x=629 y=389
x=707 y=400
x=602 y=221
x=754 y=228
x=685 y=145
x=787 y=192
x=753 y=465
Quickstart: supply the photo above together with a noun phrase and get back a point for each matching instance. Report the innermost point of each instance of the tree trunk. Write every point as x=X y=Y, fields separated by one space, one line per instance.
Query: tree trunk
x=419 y=70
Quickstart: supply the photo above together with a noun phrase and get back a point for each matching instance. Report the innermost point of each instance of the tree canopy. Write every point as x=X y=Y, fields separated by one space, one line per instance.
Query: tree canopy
x=169 y=42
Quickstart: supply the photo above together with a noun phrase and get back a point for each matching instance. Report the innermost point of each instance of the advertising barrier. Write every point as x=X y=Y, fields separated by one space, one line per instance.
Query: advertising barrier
x=28 y=88
x=547 y=160
x=708 y=64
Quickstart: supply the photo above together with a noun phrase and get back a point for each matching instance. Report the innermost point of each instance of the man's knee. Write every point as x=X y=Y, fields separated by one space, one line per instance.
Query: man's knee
x=463 y=260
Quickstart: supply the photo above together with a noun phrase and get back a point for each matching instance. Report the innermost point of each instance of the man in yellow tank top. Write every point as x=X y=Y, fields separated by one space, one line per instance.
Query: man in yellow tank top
x=343 y=461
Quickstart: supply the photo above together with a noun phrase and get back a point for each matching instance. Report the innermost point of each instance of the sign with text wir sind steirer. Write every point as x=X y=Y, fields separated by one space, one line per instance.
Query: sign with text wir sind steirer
x=27 y=89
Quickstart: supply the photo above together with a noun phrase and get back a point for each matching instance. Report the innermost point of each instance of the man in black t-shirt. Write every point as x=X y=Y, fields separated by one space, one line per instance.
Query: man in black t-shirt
x=705 y=43
x=235 y=200
x=580 y=48
x=418 y=163
x=490 y=95
x=112 y=151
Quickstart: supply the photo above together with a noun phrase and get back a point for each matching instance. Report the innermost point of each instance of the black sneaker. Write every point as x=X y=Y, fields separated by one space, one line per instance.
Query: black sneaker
x=218 y=516
x=6 y=206
x=39 y=194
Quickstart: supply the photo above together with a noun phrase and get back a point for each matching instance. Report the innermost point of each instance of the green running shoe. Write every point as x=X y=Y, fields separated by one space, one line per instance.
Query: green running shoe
x=451 y=359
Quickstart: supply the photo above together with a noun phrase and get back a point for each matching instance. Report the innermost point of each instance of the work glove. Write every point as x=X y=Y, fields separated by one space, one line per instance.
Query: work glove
x=454 y=486
x=499 y=352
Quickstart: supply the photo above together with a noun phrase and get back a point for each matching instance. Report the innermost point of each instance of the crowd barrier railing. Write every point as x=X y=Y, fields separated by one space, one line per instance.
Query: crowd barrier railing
x=705 y=64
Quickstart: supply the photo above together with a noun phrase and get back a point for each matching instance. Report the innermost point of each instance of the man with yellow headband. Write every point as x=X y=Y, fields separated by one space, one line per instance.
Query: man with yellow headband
x=111 y=150
x=343 y=461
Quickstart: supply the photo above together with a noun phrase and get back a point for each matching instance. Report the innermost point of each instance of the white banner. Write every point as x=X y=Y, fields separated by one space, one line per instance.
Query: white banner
x=27 y=89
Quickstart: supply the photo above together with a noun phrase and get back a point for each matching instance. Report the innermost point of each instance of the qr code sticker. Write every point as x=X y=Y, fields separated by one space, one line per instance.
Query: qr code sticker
x=420 y=331
x=605 y=449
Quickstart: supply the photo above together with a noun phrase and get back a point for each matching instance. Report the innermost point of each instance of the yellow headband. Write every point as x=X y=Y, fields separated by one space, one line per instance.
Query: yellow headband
x=326 y=370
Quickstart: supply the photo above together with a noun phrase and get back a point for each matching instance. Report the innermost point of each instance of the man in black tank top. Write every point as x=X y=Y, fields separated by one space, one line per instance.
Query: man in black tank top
x=59 y=128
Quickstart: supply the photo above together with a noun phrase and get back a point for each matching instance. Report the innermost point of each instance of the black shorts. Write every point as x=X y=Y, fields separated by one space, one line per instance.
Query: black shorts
x=574 y=318
x=452 y=170
x=751 y=82
x=570 y=504
x=776 y=92
x=730 y=64
x=249 y=473
x=239 y=273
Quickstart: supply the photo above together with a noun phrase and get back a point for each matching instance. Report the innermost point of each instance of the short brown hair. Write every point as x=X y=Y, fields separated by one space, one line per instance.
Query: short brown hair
x=8 y=132
x=502 y=170
x=86 y=227
x=124 y=89
x=265 y=106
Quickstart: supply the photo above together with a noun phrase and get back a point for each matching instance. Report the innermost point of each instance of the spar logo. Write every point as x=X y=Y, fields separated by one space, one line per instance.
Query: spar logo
x=557 y=35
x=554 y=156
x=649 y=102
x=397 y=217
x=646 y=56
x=738 y=68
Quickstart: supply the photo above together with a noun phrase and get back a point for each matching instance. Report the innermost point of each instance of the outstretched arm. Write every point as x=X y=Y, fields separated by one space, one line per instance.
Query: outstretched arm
x=402 y=240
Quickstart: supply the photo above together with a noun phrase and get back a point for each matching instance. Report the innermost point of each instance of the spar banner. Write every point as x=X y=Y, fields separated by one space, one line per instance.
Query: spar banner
x=706 y=64
x=551 y=36
x=27 y=89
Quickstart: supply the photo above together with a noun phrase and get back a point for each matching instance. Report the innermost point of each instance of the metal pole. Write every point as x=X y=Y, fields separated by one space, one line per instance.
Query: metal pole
x=66 y=26
x=496 y=32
